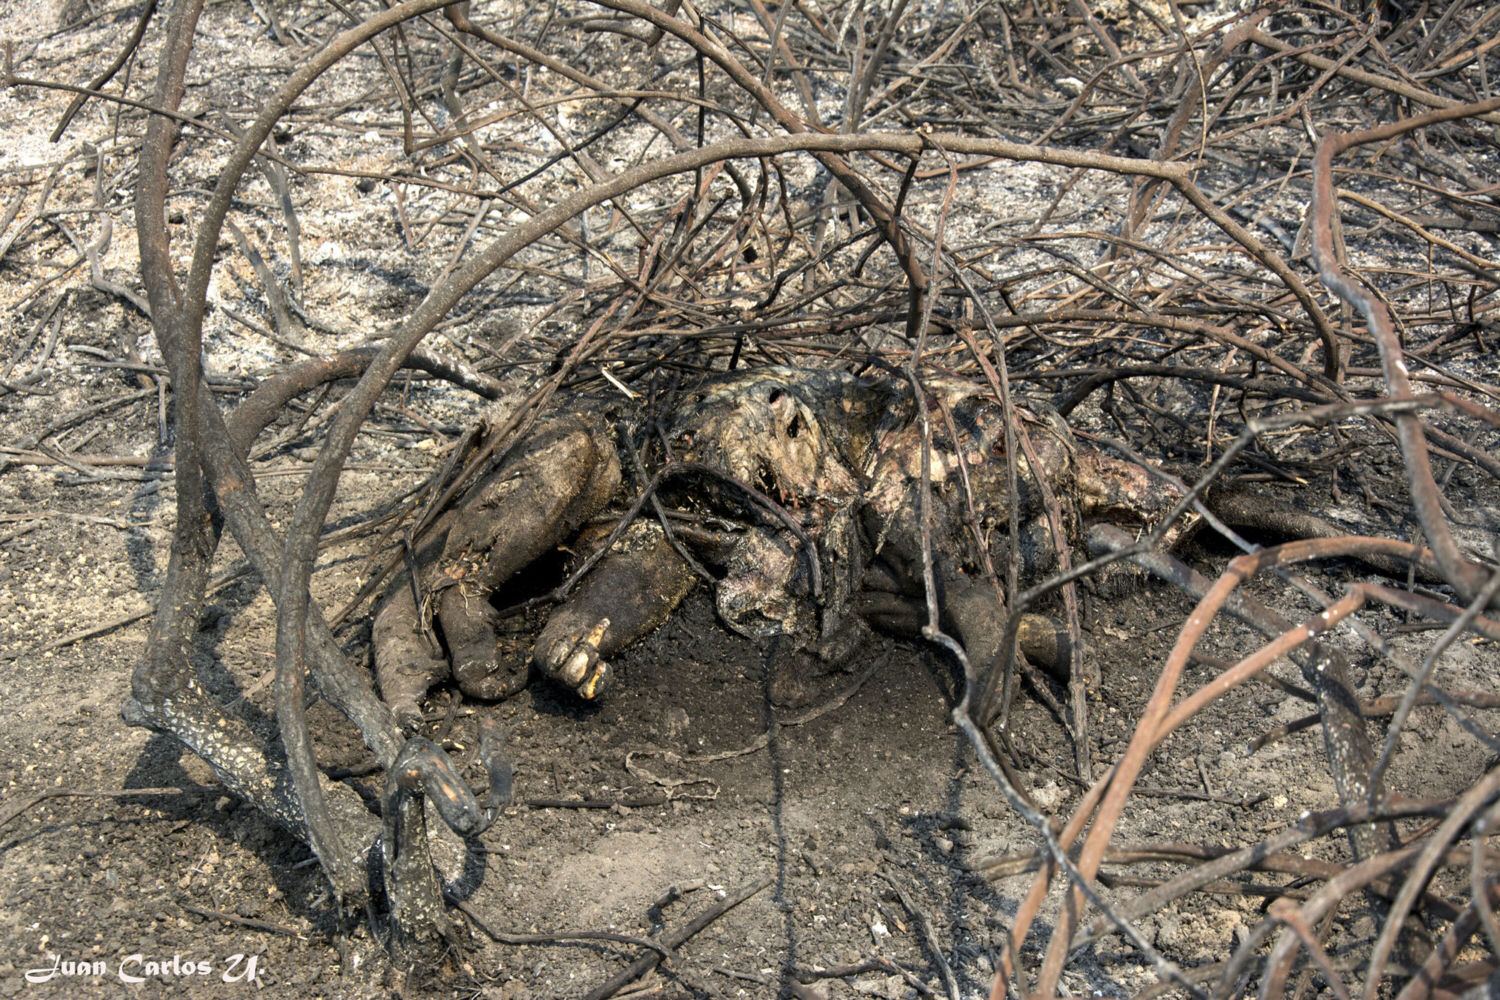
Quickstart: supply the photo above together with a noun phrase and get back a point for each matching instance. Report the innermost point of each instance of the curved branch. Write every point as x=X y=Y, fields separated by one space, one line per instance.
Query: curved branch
x=1467 y=577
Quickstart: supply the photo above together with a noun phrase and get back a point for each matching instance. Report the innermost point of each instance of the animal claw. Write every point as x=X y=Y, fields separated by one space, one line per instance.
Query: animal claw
x=577 y=663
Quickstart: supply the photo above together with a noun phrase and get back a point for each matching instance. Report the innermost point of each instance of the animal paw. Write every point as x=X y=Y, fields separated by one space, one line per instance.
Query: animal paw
x=573 y=658
x=483 y=671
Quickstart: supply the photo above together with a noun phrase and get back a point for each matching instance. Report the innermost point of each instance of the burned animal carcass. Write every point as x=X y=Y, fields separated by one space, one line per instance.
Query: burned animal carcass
x=823 y=472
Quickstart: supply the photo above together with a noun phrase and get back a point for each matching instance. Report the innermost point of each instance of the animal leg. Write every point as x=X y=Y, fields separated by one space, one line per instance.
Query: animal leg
x=624 y=598
x=407 y=658
x=529 y=506
x=975 y=617
x=406 y=663
x=969 y=611
x=966 y=604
